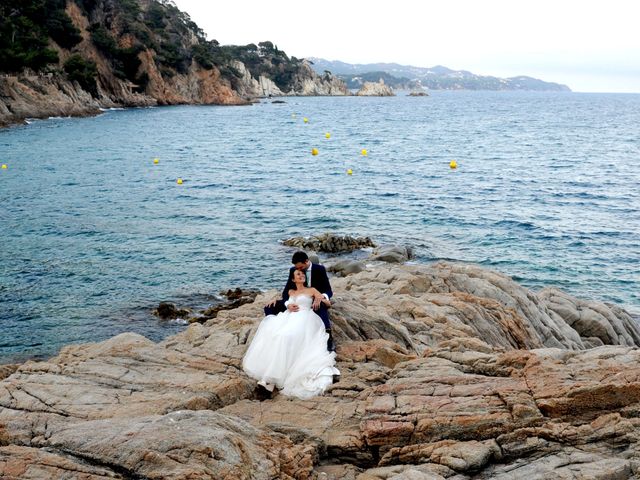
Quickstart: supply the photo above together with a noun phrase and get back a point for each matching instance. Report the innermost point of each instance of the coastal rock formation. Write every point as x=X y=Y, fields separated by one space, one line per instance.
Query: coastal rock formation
x=137 y=53
x=372 y=89
x=448 y=371
x=43 y=96
x=307 y=82
x=329 y=243
x=249 y=87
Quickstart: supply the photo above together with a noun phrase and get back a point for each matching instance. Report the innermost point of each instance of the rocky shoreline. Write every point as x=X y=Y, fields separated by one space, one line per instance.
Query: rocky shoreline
x=45 y=96
x=448 y=371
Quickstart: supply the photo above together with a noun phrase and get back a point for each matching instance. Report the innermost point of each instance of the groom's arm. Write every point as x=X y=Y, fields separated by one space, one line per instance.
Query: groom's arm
x=325 y=285
x=288 y=286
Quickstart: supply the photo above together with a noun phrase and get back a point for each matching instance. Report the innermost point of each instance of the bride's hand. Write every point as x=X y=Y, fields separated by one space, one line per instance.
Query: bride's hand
x=292 y=307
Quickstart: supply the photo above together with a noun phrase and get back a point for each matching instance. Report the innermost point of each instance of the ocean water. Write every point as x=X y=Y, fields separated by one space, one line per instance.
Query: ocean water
x=94 y=234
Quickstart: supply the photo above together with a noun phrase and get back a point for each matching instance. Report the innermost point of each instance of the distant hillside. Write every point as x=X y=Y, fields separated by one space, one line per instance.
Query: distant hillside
x=434 y=78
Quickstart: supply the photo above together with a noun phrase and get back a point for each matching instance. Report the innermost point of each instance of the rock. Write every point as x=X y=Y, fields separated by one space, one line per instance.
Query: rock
x=372 y=89
x=610 y=325
x=235 y=298
x=6 y=370
x=249 y=87
x=330 y=243
x=391 y=254
x=313 y=257
x=448 y=371
x=28 y=463
x=418 y=93
x=346 y=267
x=169 y=311
x=306 y=82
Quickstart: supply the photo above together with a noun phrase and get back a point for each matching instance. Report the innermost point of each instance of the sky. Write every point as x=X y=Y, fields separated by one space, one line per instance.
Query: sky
x=589 y=45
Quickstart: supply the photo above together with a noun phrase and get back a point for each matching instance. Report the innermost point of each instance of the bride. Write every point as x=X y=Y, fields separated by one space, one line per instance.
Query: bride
x=289 y=350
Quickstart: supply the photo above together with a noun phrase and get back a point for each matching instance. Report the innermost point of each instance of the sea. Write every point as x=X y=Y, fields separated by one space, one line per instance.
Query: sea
x=94 y=234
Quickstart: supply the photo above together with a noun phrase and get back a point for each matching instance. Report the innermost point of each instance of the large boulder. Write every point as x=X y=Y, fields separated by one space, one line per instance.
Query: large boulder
x=345 y=267
x=391 y=254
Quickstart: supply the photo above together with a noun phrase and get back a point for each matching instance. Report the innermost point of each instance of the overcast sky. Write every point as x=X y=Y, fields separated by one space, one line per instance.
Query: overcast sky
x=590 y=45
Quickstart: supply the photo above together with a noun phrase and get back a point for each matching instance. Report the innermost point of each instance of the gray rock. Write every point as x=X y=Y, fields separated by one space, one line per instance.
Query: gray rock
x=391 y=254
x=346 y=267
x=604 y=324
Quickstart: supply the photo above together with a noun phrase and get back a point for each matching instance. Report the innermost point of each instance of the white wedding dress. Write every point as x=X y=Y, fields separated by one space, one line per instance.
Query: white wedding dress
x=289 y=350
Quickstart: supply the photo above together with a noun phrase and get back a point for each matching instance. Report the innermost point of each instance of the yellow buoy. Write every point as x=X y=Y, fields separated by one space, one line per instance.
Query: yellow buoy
x=4 y=166
x=349 y=172
x=305 y=120
x=314 y=151
x=179 y=181
x=327 y=135
x=364 y=152
x=155 y=161
x=453 y=164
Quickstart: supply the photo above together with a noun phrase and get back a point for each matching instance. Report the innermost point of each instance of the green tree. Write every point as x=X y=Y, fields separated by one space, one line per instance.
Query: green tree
x=82 y=71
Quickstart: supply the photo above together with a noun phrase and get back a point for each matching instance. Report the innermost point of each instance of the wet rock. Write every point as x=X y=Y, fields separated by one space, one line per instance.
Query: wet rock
x=169 y=311
x=330 y=243
x=234 y=299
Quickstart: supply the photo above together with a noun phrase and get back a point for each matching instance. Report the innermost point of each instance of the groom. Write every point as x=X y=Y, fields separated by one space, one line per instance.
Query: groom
x=316 y=278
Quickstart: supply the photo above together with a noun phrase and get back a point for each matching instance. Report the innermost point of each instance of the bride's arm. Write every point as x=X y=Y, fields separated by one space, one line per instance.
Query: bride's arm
x=290 y=304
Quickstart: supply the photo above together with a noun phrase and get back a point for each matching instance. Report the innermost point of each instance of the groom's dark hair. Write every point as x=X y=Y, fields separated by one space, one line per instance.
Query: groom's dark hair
x=299 y=257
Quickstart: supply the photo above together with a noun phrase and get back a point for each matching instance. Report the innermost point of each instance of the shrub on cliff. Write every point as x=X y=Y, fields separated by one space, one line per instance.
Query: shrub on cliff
x=59 y=26
x=83 y=71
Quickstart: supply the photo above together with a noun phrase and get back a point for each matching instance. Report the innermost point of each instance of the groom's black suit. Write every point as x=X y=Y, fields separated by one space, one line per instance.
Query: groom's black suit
x=319 y=281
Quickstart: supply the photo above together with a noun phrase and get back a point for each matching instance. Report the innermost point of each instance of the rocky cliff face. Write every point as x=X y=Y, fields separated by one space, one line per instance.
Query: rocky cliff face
x=448 y=372
x=164 y=69
x=307 y=82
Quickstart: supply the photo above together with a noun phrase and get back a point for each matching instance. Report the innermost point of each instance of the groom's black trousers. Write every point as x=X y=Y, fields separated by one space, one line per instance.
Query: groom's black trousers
x=322 y=312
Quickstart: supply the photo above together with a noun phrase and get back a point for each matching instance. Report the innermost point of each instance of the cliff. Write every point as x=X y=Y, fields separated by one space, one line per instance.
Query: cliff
x=448 y=371
x=124 y=53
